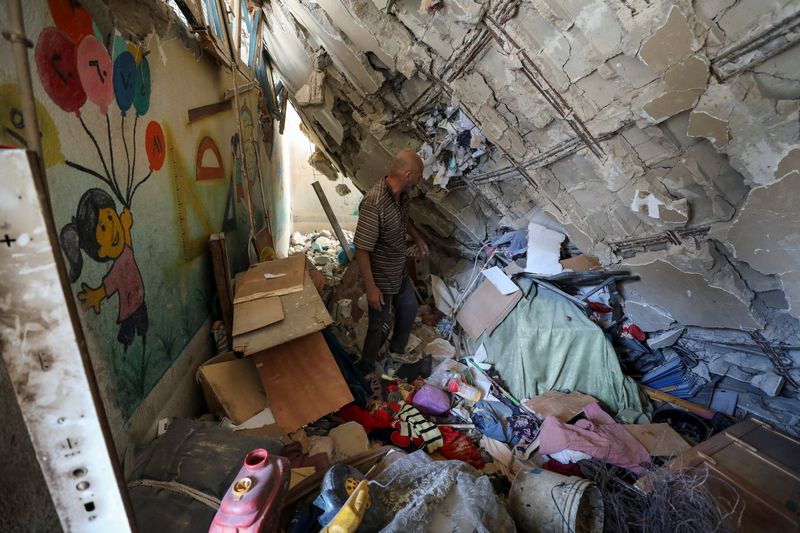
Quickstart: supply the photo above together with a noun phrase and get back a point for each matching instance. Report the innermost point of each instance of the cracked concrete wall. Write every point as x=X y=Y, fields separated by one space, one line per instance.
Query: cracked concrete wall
x=656 y=132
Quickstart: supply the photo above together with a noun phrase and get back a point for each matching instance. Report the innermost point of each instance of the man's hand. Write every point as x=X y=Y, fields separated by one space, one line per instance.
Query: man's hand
x=423 y=247
x=375 y=298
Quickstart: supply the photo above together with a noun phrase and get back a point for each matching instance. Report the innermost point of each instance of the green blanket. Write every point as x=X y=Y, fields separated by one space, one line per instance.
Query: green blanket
x=547 y=343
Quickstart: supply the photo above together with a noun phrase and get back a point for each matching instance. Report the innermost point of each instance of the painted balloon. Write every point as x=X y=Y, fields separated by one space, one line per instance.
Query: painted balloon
x=141 y=98
x=71 y=18
x=96 y=71
x=155 y=146
x=56 y=61
x=124 y=80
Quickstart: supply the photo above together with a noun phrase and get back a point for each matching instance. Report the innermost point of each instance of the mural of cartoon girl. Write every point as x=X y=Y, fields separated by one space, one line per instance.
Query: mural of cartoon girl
x=104 y=235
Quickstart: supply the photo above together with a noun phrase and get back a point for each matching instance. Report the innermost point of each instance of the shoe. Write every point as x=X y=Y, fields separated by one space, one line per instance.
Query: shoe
x=405 y=358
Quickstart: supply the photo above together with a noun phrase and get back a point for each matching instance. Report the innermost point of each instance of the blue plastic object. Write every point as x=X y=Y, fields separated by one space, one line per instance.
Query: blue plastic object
x=342 y=257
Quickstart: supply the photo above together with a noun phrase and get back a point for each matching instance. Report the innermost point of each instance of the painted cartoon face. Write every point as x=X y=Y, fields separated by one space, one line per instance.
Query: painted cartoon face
x=109 y=234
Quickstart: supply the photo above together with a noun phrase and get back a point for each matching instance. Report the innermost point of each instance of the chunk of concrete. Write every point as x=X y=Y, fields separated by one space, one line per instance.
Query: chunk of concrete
x=647 y=203
x=670 y=44
x=702 y=124
x=666 y=339
x=672 y=103
x=770 y=382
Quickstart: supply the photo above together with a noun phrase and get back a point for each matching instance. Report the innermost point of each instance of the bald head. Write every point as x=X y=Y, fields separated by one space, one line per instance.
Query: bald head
x=406 y=161
x=405 y=172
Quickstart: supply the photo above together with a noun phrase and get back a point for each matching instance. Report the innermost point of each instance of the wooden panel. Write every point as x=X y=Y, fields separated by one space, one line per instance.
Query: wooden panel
x=302 y=381
x=248 y=316
x=222 y=279
x=209 y=110
x=304 y=313
x=660 y=440
x=236 y=387
x=252 y=285
x=564 y=406
x=763 y=479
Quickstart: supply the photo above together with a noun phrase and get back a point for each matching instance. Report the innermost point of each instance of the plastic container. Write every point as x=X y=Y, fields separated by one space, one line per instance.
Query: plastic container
x=545 y=502
x=254 y=500
x=465 y=390
x=430 y=400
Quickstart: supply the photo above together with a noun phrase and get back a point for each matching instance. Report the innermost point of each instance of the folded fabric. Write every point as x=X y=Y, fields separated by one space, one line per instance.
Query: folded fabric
x=597 y=435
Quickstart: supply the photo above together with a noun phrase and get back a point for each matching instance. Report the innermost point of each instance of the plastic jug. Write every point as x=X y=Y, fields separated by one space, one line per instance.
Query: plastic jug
x=254 y=500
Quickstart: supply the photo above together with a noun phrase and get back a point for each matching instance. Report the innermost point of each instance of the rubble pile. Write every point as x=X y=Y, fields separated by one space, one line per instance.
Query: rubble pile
x=526 y=400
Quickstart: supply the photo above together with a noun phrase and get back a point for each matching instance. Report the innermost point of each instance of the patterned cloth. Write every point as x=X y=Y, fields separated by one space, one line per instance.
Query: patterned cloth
x=413 y=425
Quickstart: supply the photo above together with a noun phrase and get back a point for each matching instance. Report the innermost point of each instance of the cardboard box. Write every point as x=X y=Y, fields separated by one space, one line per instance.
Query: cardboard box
x=232 y=388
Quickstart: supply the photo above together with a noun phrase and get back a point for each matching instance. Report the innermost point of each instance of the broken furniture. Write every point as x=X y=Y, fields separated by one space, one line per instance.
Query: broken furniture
x=752 y=467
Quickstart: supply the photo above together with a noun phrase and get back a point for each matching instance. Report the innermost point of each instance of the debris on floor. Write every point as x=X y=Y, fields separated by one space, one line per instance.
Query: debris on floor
x=527 y=402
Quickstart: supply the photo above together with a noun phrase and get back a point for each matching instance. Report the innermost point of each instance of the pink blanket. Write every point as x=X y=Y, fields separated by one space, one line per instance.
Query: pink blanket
x=598 y=435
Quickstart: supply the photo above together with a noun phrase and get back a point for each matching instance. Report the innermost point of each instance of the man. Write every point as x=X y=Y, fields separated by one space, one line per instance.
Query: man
x=380 y=241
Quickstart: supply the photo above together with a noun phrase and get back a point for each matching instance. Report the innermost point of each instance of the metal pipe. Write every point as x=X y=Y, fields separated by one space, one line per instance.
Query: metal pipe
x=337 y=229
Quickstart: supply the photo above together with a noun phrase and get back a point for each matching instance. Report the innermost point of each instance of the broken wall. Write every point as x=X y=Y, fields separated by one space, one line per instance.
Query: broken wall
x=135 y=185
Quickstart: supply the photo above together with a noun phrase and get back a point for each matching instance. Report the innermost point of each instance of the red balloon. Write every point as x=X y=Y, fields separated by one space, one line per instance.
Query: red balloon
x=56 y=61
x=155 y=145
x=71 y=18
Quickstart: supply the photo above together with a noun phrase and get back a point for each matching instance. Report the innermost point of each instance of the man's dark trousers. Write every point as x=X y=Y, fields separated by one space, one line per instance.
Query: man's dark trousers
x=405 y=311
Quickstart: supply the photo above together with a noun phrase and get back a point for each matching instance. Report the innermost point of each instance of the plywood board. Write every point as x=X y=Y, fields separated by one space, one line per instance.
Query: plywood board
x=303 y=312
x=485 y=309
x=564 y=406
x=248 y=316
x=252 y=285
x=235 y=387
x=660 y=440
x=302 y=380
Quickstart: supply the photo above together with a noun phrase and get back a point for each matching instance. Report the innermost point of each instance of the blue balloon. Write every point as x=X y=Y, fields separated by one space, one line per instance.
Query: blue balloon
x=141 y=100
x=124 y=80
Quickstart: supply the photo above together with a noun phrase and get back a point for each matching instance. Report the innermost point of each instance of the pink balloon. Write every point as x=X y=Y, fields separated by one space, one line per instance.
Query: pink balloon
x=95 y=70
x=55 y=59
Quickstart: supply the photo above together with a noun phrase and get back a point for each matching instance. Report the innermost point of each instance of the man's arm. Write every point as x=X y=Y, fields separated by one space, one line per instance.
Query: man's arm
x=374 y=294
x=417 y=236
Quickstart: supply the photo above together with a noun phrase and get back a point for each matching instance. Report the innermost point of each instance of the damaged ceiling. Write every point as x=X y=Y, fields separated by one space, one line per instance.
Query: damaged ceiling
x=661 y=136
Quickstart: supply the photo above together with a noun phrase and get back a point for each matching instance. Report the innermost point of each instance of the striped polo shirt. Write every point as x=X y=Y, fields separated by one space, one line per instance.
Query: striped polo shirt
x=381 y=231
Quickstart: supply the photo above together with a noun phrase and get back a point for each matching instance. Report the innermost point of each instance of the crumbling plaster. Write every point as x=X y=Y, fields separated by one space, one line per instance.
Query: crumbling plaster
x=623 y=120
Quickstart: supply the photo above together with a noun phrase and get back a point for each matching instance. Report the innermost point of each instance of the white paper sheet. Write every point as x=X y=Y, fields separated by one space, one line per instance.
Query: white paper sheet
x=500 y=280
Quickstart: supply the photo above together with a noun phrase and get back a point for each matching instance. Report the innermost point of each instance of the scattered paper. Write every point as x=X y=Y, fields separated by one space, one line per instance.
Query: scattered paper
x=500 y=280
x=263 y=418
x=544 y=250
x=273 y=276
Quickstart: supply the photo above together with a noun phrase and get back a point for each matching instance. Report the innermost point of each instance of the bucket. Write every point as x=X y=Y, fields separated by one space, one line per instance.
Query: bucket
x=546 y=502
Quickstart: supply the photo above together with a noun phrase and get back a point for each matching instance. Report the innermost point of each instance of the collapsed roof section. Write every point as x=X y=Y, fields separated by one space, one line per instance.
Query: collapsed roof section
x=651 y=131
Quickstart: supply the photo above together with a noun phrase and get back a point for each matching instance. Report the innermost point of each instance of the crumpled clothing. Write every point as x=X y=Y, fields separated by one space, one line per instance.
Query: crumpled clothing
x=458 y=446
x=490 y=417
x=516 y=242
x=598 y=435
x=525 y=427
x=381 y=418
